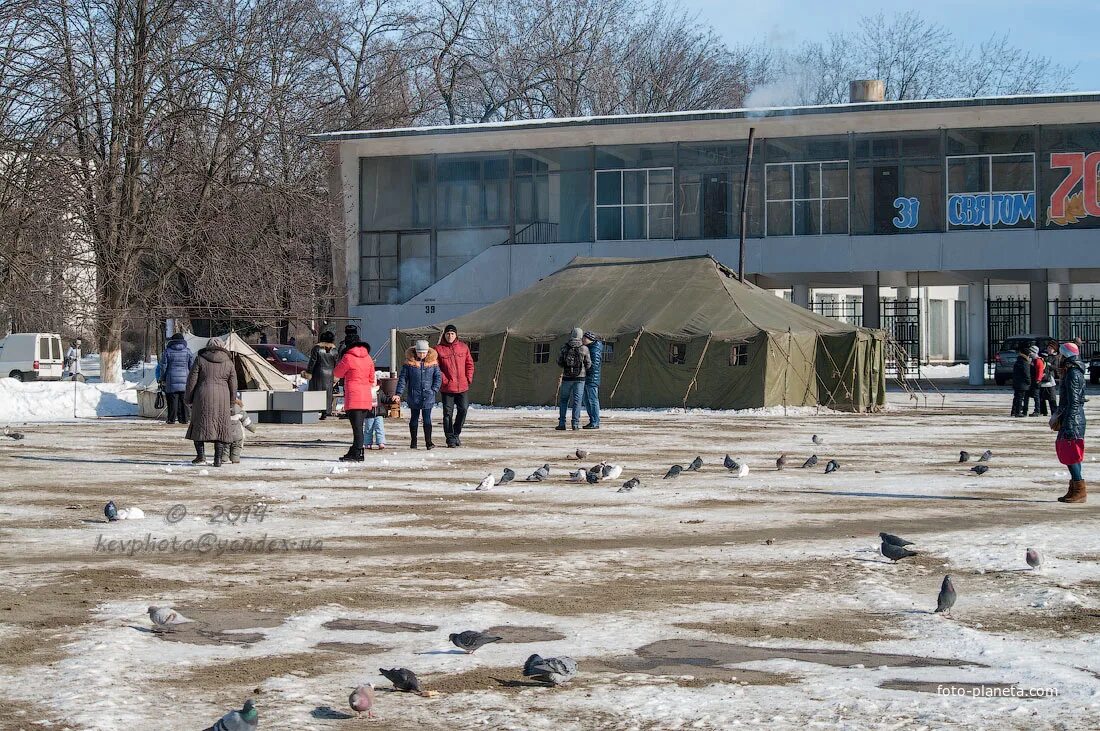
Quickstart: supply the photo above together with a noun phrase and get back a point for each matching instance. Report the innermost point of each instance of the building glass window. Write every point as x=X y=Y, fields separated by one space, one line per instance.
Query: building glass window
x=807 y=199
x=1068 y=164
x=393 y=265
x=991 y=191
x=472 y=190
x=553 y=195
x=541 y=352
x=395 y=193
x=677 y=353
x=898 y=183
x=634 y=156
x=634 y=204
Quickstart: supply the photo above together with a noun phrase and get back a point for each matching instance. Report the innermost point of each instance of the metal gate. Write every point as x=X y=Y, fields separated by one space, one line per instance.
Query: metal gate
x=847 y=310
x=901 y=321
x=1078 y=318
x=1006 y=318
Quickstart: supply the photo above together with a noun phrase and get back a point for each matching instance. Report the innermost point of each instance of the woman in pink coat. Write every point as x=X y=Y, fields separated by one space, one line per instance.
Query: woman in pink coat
x=356 y=367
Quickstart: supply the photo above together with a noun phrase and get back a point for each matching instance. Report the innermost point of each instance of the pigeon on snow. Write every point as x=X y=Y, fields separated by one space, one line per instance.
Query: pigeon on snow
x=810 y=461
x=130 y=514
x=110 y=511
x=964 y=456
x=947 y=596
x=1032 y=558
x=487 y=483
x=16 y=435
x=507 y=477
x=578 y=476
x=986 y=456
x=471 y=640
x=246 y=719
x=165 y=616
x=816 y=439
x=402 y=679
x=540 y=474
x=781 y=462
x=612 y=471
x=579 y=454
x=673 y=471
x=361 y=699
x=629 y=485
x=592 y=476
x=728 y=463
x=553 y=670
x=979 y=469
x=894 y=540
x=695 y=464
x=895 y=553
x=832 y=466
x=740 y=469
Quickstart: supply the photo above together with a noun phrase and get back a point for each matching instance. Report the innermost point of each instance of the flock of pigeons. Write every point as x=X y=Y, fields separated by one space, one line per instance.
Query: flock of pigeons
x=549 y=670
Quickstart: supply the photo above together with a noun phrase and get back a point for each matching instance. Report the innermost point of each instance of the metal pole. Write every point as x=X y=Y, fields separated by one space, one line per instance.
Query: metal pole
x=744 y=208
x=393 y=352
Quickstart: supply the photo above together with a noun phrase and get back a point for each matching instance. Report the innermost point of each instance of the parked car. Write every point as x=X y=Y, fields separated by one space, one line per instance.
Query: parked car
x=1094 y=368
x=289 y=360
x=32 y=357
x=1005 y=358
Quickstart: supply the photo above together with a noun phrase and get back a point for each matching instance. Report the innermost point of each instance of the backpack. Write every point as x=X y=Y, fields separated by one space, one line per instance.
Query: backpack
x=572 y=362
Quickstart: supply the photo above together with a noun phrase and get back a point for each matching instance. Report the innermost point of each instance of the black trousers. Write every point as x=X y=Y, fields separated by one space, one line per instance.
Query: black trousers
x=1046 y=396
x=455 y=406
x=177 y=408
x=358 y=418
x=1019 y=401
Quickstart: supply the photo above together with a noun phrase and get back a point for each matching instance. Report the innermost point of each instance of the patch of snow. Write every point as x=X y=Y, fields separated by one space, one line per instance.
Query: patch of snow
x=64 y=400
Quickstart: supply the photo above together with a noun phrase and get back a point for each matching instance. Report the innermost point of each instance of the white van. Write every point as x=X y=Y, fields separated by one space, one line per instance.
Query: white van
x=31 y=357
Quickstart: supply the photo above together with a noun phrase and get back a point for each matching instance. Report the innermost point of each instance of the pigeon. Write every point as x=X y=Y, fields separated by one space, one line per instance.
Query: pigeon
x=16 y=435
x=487 y=483
x=810 y=462
x=611 y=471
x=979 y=469
x=986 y=456
x=553 y=670
x=964 y=456
x=729 y=463
x=781 y=462
x=673 y=471
x=246 y=719
x=832 y=466
x=361 y=699
x=1032 y=558
x=816 y=439
x=578 y=476
x=894 y=540
x=895 y=553
x=579 y=454
x=402 y=679
x=110 y=511
x=593 y=476
x=947 y=596
x=629 y=485
x=131 y=514
x=507 y=477
x=471 y=640
x=166 y=616
x=540 y=474
x=695 y=464
x=740 y=469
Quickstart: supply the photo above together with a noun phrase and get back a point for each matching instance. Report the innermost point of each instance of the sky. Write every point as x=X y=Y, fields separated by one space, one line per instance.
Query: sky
x=1068 y=38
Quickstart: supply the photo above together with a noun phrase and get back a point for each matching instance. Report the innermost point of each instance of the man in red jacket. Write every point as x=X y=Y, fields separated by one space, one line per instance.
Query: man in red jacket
x=457 y=367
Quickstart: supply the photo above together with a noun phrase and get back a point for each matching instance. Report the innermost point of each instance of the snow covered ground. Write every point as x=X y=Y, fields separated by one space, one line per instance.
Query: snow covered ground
x=701 y=602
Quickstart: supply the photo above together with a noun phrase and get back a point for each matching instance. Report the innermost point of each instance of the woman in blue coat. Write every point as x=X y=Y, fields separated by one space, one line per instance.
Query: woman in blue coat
x=172 y=370
x=418 y=381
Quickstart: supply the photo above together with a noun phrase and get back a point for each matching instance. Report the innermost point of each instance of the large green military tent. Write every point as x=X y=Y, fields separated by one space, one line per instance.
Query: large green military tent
x=680 y=332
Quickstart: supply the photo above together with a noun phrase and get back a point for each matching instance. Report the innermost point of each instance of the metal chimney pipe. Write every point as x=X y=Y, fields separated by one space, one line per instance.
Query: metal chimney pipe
x=866 y=90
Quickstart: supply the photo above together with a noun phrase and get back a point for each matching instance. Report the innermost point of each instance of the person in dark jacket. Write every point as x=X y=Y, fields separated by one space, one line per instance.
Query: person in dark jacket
x=575 y=362
x=592 y=380
x=457 y=366
x=172 y=370
x=351 y=337
x=322 y=359
x=1021 y=383
x=211 y=390
x=1070 y=421
x=418 y=381
x=1037 y=366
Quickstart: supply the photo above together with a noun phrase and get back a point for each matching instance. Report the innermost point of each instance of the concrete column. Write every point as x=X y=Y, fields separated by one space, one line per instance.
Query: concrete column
x=1040 y=308
x=872 y=313
x=800 y=295
x=976 y=331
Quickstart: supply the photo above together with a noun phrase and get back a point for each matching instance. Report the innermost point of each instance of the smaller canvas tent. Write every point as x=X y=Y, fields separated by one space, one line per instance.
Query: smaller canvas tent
x=682 y=332
x=253 y=372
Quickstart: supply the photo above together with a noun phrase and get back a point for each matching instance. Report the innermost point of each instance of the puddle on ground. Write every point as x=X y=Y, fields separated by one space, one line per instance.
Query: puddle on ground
x=960 y=688
x=519 y=635
x=710 y=654
x=193 y=633
x=219 y=626
x=376 y=626
x=351 y=648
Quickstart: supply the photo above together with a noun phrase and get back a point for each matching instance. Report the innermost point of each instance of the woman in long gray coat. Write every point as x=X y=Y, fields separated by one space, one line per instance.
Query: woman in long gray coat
x=211 y=388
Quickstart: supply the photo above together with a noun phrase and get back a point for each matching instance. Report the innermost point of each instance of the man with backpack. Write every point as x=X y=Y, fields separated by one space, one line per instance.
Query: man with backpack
x=1046 y=380
x=575 y=362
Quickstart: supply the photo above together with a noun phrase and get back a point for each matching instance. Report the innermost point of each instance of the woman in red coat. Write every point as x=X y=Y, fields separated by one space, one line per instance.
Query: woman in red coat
x=356 y=367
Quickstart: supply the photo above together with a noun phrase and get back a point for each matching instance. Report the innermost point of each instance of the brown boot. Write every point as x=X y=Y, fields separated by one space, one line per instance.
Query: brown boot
x=1076 y=492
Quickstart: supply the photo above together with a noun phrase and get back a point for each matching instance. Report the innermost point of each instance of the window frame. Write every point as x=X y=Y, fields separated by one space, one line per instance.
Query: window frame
x=739 y=355
x=677 y=353
x=475 y=349
x=646 y=206
x=537 y=353
x=793 y=200
x=948 y=159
